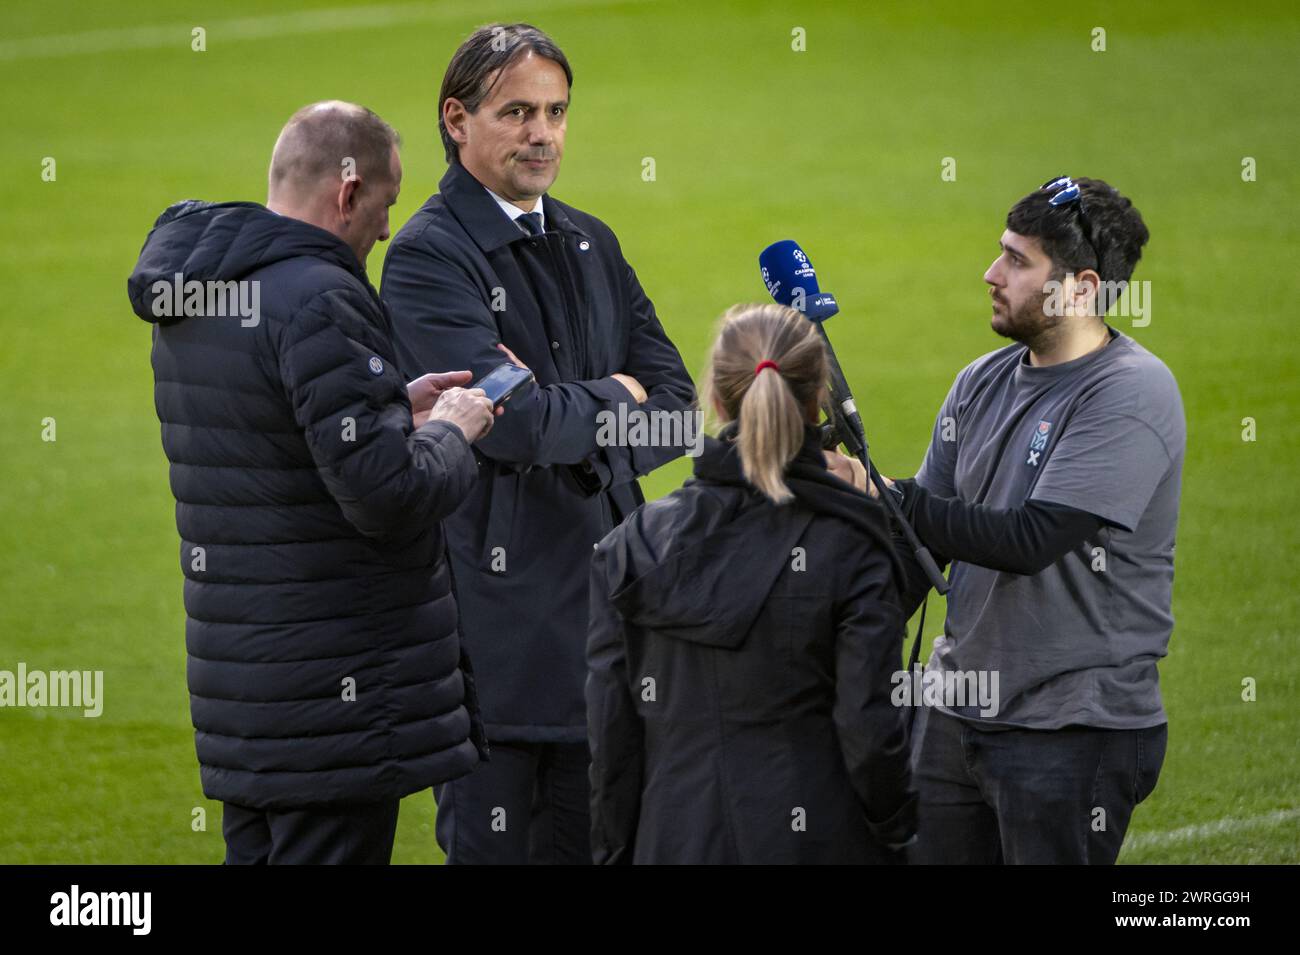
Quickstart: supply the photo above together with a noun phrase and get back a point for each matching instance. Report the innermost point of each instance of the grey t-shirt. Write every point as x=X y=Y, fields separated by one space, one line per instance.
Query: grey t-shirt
x=1078 y=642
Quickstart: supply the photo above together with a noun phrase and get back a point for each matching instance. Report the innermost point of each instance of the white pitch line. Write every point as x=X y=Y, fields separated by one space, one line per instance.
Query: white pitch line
x=1208 y=830
x=247 y=28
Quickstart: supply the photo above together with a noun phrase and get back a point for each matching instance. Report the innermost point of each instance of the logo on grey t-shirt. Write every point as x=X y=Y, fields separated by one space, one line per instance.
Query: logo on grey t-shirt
x=1038 y=442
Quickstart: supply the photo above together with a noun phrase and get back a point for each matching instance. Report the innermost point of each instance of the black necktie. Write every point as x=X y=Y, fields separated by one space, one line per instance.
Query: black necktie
x=530 y=222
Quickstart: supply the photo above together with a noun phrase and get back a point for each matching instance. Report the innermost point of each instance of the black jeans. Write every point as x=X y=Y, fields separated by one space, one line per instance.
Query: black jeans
x=349 y=835
x=529 y=803
x=1023 y=796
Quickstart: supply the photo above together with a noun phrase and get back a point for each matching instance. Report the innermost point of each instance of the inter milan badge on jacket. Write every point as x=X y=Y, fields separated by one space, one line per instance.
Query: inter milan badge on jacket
x=376 y=366
x=1038 y=442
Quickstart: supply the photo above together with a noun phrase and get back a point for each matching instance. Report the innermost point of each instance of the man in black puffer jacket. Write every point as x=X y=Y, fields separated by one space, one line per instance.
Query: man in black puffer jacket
x=325 y=669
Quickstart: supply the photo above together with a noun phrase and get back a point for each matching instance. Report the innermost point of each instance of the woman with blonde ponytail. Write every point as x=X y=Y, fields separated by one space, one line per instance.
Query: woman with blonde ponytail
x=745 y=631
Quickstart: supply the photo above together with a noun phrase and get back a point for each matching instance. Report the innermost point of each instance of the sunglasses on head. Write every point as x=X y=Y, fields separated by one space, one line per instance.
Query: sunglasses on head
x=1066 y=192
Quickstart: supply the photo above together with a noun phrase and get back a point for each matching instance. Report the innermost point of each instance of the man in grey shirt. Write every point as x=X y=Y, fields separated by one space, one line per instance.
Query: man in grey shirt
x=1052 y=483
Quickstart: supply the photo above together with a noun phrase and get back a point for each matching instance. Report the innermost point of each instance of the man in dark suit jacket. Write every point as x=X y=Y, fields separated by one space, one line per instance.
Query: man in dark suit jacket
x=492 y=268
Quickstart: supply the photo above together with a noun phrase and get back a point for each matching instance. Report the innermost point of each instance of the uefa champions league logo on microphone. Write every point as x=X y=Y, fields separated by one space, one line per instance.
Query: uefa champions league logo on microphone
x=803 y=268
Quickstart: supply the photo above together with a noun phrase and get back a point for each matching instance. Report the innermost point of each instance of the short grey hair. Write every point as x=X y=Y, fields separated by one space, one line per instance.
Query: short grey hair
x=319 y=139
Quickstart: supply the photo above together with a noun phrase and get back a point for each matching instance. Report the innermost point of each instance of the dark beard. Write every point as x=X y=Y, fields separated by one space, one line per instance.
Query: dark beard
x=1030 y=324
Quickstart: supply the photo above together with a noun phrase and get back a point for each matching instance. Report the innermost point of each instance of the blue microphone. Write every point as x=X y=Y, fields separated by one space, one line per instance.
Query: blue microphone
x=791 y=280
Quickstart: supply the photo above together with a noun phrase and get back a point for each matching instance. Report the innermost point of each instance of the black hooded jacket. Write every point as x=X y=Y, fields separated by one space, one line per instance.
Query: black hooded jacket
x=324 y=661
x=740 y=658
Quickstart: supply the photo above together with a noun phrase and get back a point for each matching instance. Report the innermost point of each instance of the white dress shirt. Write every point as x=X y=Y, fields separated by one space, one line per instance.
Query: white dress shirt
x=513 y=211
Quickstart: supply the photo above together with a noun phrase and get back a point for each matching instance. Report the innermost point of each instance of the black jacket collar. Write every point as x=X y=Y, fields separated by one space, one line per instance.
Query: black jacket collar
x=720 y=460
x=486 y=223
x=809 y=480
x=706 y=575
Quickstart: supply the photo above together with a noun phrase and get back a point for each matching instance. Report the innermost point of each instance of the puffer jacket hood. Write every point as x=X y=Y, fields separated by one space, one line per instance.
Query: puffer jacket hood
x=224 y=242
x=686 y=567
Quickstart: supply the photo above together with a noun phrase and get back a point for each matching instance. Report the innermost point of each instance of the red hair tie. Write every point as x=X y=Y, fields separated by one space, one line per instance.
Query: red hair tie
x=766 y=364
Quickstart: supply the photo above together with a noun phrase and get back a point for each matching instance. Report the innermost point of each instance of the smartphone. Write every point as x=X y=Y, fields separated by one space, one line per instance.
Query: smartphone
x=502 y=382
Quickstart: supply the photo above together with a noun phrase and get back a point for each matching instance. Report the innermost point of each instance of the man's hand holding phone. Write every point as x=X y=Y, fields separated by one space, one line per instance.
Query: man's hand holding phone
x=468 y=409
x=471 y=409
x=440 y=396
x=425 y=390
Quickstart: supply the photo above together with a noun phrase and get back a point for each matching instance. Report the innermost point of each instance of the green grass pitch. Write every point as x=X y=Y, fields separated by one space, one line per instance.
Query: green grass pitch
x=839 y=145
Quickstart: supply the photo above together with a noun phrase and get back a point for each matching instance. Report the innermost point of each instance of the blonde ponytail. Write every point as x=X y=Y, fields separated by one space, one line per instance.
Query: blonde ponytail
x=768 y=366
